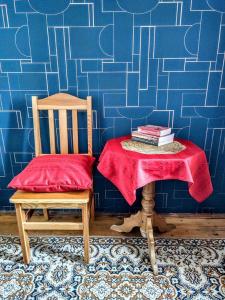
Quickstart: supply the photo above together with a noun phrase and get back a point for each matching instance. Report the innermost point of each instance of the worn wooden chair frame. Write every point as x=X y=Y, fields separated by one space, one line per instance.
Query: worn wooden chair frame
x=27 y=202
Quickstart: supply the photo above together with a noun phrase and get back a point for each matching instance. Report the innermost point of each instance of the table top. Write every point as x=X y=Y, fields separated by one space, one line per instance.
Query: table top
x=129 y=170
x=171 y=148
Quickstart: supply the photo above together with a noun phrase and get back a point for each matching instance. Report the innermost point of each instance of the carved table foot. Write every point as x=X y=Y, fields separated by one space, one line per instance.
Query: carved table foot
x=129 y=223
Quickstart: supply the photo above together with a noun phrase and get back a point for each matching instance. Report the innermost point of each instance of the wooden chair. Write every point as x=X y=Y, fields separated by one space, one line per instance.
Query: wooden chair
x=27 y=202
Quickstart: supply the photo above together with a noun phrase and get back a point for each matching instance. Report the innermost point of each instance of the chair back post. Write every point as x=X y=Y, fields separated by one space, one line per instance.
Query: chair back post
x=36 y=123
x=89 y=124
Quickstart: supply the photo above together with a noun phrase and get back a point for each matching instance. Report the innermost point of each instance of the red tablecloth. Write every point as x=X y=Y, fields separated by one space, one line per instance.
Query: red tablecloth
x=129 y=170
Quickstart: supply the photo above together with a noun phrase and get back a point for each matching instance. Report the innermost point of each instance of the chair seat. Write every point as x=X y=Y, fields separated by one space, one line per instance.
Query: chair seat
x=76 y=197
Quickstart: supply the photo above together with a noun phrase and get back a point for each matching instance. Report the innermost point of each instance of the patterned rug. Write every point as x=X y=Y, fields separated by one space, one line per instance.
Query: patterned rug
x=119 y=269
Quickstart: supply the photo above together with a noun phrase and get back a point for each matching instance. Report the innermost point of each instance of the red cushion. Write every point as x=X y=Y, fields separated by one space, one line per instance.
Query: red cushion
x=55 y=173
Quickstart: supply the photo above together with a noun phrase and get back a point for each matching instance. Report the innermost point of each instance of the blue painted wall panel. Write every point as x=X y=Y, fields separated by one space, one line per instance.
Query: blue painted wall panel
x=10 y=66
x=132 y=89
x=27 y=81
x=32 y=67
x=77 y=15
x=173 y=65
x=53 y=83
x=114 y=67
x=197 y=66
x=152 y=75
x=223 y=79
x=143 y=62
x=114 y=100
x=213 y=88
x=4 y=85
x=162 y=9
x=8 y=119
x=209 y=36
x=142 y=19
x=61 y=58
x=193 y=99
x=38 y=37
x=123 y=37
x=91 y=66
x=107 y=81
x=222 y=41
x=144 y=57
x=188 y=80
x=170 y=42
x=22 y=6
x=9 y=49
x=85 y=43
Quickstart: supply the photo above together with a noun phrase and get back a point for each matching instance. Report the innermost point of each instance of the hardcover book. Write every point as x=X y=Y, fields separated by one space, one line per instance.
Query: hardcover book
x=152 y=140
x=155 y=130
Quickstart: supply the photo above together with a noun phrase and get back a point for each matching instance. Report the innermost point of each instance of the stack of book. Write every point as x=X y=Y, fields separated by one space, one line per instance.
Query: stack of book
x=153 y=135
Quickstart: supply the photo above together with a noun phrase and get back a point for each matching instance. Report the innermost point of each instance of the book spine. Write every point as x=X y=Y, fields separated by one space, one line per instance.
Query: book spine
x=145 y=136
x=149 y=142
x=149 y=132
x=153 y=127
x=153 y=131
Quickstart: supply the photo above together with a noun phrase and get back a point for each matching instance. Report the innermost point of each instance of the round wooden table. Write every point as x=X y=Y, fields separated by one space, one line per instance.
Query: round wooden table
x=130 y=170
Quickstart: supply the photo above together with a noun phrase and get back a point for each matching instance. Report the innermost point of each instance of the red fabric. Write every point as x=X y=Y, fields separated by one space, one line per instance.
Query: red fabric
x=55 y=173
x=129 y=170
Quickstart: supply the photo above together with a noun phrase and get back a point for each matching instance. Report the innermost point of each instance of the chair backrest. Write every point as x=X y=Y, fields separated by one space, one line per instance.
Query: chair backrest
x=62 y=103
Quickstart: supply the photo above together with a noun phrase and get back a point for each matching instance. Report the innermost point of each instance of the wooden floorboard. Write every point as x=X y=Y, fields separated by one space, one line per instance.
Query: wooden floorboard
x=187 y=225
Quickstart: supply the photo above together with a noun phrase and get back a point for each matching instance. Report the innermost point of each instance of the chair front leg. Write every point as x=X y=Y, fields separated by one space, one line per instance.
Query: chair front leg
x=21 y=219
x=85 y=220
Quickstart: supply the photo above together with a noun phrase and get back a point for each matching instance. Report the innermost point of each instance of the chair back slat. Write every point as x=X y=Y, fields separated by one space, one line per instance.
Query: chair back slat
x=62 y=102
x=63 y=131
x=75 y=131
x=51 y=125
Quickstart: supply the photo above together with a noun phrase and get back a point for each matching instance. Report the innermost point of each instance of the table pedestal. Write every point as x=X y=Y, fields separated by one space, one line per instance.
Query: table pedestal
x=146 y=219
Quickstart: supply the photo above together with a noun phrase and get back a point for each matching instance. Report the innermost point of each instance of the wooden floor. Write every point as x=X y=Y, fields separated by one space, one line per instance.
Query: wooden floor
x=187 y=226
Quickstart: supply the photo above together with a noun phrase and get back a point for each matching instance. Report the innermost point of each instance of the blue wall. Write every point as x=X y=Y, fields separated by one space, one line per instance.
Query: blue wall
x=143 y=61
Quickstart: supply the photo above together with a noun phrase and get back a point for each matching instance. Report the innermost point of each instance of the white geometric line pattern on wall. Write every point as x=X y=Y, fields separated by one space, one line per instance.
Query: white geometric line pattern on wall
x=142 y=62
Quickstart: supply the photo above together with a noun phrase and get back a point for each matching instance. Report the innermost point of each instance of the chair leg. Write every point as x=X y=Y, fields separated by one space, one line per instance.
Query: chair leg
x=21 y=219
x=46 y=214
x=92 y=208
x=85 y=219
